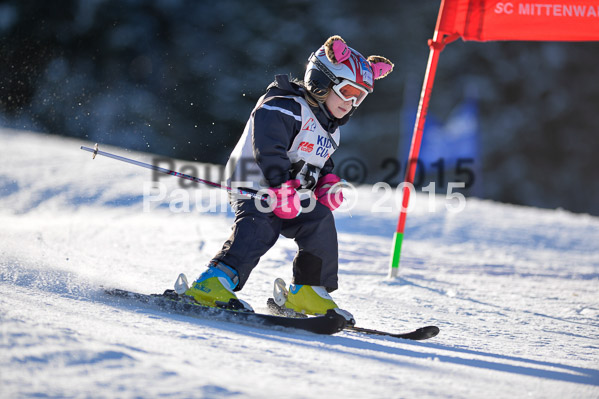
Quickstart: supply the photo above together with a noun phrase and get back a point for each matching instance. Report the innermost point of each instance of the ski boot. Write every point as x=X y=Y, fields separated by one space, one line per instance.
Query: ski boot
x=306 y=299
x=214 y=288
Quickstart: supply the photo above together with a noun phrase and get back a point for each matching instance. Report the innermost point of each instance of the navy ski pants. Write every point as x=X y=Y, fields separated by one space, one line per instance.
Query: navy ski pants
x=255 y=232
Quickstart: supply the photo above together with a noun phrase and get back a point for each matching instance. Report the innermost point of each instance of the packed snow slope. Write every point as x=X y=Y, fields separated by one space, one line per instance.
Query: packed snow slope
x=513 y=289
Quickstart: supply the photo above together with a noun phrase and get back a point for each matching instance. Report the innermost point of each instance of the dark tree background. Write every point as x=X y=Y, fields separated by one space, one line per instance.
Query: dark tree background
x=179 y=78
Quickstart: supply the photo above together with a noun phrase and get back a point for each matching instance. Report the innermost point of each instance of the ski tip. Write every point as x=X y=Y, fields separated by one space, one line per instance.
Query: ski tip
x=428 y=332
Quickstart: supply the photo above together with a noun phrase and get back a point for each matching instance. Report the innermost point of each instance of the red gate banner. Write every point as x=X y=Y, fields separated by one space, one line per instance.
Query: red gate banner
x=546 y=20
x=485 y=20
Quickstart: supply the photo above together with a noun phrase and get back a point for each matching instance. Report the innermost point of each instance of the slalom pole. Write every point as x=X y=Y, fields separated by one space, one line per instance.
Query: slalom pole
x=243 y=191
x=436 y=46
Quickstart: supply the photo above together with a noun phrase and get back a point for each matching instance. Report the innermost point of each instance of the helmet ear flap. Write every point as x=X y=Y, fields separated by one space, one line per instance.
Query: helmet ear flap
x=381 y=66
x=317 y=83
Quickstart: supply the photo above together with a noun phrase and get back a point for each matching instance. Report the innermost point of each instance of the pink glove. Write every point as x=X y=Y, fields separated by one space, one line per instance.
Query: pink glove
x=328 y=193
x=286 y=200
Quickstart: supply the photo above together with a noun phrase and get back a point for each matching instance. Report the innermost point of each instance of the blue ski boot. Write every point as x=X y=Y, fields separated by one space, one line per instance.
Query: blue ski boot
x=215 y=287
x=306 y=299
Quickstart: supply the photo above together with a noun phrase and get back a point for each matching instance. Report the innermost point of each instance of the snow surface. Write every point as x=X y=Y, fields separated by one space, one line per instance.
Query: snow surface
x=513 y=289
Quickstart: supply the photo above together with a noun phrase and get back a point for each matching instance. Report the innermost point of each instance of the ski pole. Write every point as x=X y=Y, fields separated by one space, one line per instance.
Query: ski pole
x=243 y=191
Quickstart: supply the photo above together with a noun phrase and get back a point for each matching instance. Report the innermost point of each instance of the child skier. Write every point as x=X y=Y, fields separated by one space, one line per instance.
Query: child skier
x=286 y=148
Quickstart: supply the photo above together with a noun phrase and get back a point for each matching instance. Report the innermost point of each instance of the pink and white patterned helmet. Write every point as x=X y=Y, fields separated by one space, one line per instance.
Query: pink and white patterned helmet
x=335 y=61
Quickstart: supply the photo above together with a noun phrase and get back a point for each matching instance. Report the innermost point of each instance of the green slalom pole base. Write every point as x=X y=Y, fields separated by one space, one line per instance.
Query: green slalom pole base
x=394 y=266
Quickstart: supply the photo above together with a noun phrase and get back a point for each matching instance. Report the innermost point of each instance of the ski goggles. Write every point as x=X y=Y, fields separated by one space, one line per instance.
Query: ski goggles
x=349 y=90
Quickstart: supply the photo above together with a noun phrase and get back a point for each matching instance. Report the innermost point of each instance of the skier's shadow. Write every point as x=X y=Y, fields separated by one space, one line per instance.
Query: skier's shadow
x=447 y=355
x=404 y=281
x=382 y=349
x=351 y=344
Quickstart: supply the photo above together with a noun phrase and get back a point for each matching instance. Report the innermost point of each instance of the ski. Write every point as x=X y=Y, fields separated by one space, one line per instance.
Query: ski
x=170 y=301
x=419 y=334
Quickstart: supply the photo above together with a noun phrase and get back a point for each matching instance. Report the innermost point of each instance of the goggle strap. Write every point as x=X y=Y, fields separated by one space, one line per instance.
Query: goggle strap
x=323 y=68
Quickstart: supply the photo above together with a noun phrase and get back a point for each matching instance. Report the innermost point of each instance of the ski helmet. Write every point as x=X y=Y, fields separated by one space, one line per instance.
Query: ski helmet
x=335 y=61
